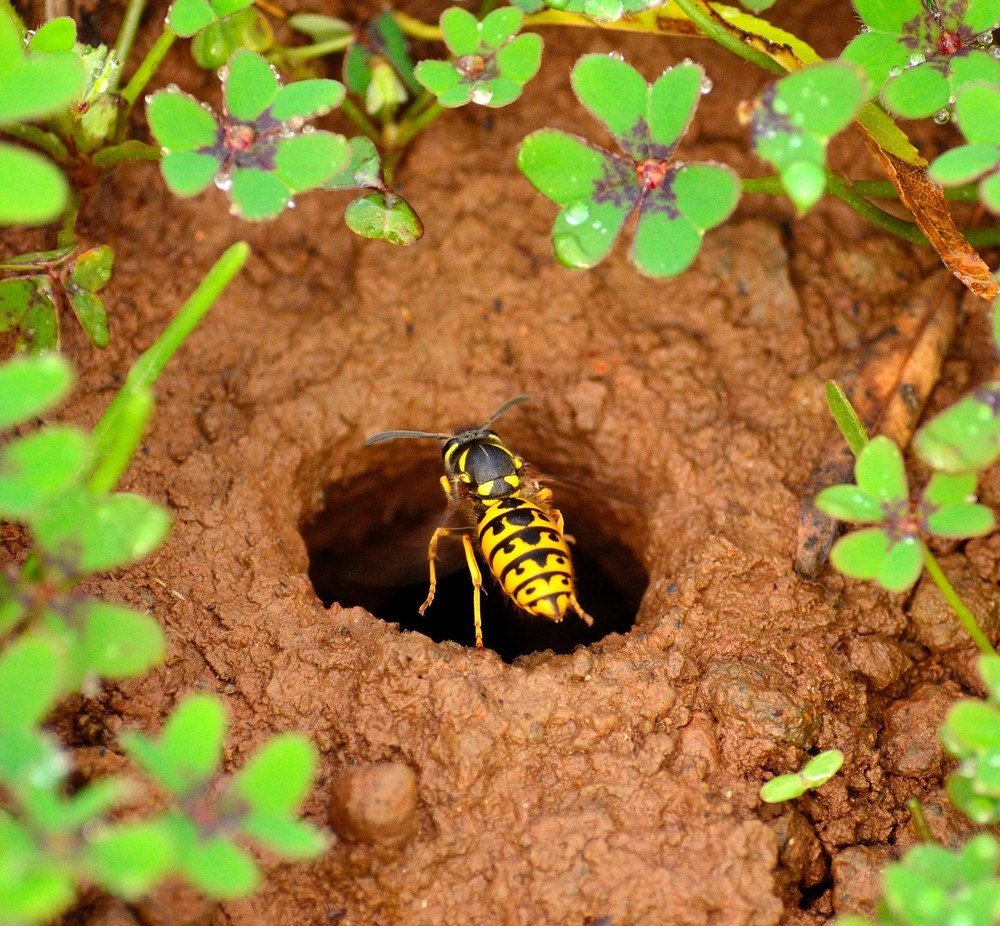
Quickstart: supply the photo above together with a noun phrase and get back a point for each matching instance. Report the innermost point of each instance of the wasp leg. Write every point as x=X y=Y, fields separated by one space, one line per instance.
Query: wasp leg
x=584 y=616
x=477 y=585
x=431 y=556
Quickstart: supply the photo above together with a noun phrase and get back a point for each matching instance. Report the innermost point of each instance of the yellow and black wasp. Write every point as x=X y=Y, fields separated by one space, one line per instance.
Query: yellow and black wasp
x=520 y=534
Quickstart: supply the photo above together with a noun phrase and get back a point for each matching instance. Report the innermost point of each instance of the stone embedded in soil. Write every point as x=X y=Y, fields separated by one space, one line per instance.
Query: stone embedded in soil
x=799 y=850
x=909 y=741
x=760 y=701
x=879 y=659
x=857 y=878
x=375 y=803
x=935 y=624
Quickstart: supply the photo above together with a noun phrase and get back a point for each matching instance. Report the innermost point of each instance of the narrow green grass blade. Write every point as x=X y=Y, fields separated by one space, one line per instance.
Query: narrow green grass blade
x=846 y=417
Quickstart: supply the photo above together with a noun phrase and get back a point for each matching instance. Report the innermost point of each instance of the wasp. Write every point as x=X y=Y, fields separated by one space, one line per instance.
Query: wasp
x=520 y=535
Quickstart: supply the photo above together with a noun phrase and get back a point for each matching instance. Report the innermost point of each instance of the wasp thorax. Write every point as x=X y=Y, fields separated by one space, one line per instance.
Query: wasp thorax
x=485 y=464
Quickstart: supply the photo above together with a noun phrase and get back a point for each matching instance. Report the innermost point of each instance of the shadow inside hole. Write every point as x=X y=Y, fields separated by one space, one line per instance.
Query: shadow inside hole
x=368 y=547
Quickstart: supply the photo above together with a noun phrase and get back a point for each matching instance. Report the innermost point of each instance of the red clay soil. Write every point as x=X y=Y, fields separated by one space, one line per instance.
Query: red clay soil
x=611 y=784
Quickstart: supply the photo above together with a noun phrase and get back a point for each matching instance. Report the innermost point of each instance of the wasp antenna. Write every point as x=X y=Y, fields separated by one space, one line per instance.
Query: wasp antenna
x=517 y=400
x=392 y=435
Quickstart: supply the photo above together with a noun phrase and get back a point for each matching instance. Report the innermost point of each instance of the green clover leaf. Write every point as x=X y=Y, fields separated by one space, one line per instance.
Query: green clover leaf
x=490 y=63
x=261 y=152
x=919 y=56
x=598 y=190
x=965 y=437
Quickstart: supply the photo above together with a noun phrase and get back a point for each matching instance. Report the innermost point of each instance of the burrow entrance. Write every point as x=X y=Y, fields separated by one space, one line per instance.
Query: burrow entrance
x=368 y=547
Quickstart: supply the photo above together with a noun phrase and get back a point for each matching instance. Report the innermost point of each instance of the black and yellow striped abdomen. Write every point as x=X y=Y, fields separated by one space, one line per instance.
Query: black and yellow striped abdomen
x=526 y=551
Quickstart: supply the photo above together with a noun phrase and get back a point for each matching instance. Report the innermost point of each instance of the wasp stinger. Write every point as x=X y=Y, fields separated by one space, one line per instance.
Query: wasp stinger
x=520 y=534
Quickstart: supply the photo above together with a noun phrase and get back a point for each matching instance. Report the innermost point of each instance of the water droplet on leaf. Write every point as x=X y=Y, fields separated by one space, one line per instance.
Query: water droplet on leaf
x=617 y=55
x=942 y=116
x=917 y=58
x=895 y=71
x=224 y=182
x=481 y=93
x=985 y=39
x=706 y=85
x=577 y=214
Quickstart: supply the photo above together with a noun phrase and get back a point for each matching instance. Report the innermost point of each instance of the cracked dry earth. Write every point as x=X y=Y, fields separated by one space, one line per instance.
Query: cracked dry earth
x=611 y=783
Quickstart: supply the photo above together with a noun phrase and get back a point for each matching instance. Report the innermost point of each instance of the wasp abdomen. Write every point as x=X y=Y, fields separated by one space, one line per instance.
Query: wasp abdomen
x=529 y=556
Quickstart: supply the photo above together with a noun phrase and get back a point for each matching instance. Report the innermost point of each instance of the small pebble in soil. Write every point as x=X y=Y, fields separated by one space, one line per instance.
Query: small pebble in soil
x=879 y=659
x=909 y=740
x=857 y=878
x=375 y=803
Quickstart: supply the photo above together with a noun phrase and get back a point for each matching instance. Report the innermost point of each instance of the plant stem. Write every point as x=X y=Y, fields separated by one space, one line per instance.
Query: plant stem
x=416 y=28
x=66 y=237
x=131 y=150
x=983 y=237
x=148 y=67
x=699 y=13
x=410 y=128
x=354 y=113
x=108 y=430
x=957 y=605
x=126 y=35
x=919 y=820
x=299 y=53
x=870 y=189
x=843 y=191
x=39 y=138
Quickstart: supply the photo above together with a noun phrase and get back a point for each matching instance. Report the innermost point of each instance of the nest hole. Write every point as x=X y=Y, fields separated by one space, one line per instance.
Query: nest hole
x=368 y=547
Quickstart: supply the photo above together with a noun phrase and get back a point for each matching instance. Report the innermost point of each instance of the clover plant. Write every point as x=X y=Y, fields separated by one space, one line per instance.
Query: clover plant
x=598 y=190
x=490 y=62
x=892 y=553
x=976 y=113
x=971 y=734
x=58 y=481
x=259 y=152
x=40 y=282
x=814 y=774
x=934 y=886
x=794 y=119
x=918 y=55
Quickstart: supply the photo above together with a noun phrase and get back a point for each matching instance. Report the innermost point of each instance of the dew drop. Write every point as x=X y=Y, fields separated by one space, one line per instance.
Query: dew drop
x=895 y=71
x=291 y=204
x=224 y=182
x=942 y=116
x=172 y=88
x=917 y=58
x=865 y=29
x=481 y=93
x=706 y=85
x=577 y=214
x=995 y=51
x=985 y=39
x=224 y=73
x=617 y=55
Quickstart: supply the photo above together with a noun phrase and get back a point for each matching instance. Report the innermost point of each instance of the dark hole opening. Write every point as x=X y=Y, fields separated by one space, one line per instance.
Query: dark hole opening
x=368 y=547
